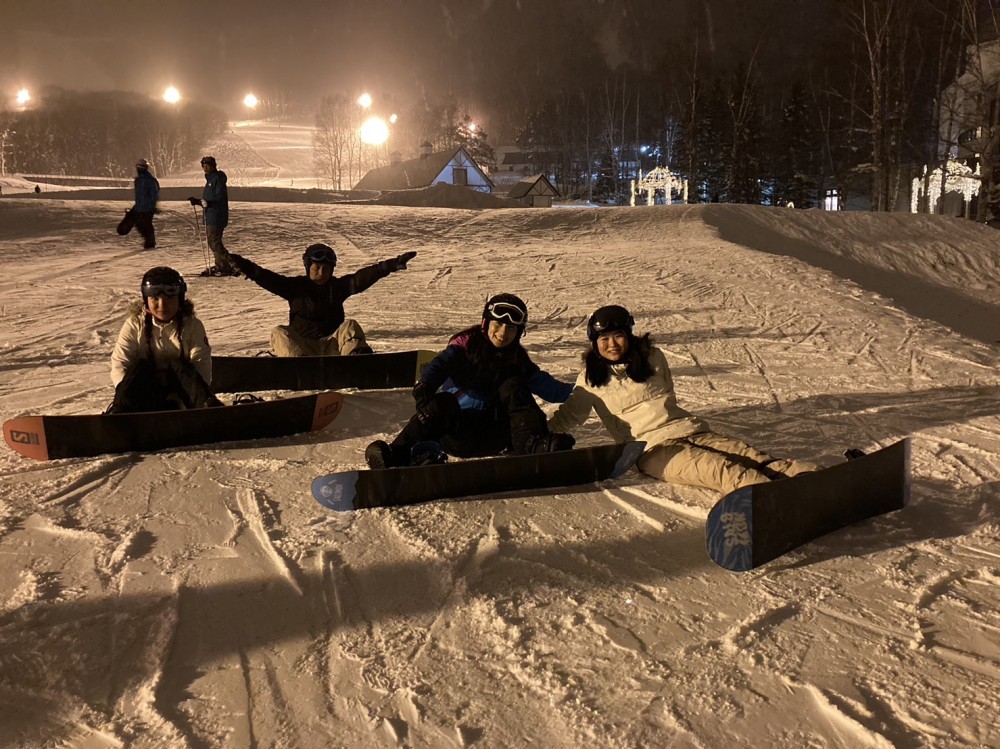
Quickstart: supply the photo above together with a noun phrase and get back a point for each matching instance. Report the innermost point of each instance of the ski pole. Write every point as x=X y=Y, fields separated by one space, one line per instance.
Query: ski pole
x=204 y=245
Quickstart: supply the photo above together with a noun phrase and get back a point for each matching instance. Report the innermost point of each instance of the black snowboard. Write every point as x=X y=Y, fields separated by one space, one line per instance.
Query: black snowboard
x=49 y=437
x=237 y=374
x=127 y=223
x=753 y=525
x=393 y=487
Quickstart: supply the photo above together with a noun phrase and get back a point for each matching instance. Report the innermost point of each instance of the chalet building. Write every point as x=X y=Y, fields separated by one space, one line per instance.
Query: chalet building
x=968 y=129
x=453 y=167
x=535 y=191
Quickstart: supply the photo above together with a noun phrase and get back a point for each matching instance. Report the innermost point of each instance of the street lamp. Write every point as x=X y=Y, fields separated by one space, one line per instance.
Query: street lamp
x=250 y=101
x=171 y=95
x=23 y=97
x=374 y=131
x=365 y=100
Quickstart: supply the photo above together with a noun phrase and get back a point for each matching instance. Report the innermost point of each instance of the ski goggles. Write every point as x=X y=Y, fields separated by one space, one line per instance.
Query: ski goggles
x=506 y=312
x=322 y=256
x=161 y=289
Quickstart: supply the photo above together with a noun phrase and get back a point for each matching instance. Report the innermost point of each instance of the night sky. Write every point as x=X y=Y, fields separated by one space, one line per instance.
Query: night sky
x=482 y=51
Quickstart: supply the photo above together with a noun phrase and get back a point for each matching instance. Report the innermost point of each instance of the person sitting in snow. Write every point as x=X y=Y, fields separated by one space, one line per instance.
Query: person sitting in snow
x=162 y=359
x=627 y=381
x=316 y=322
x=477 y=397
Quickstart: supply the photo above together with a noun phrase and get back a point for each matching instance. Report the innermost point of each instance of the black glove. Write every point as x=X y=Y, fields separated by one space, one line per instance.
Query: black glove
x=194 y=201
x=400 y=262
x=423 y=394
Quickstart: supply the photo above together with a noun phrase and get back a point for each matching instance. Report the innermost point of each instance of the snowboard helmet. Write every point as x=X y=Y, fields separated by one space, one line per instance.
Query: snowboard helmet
x=142 y=165
x=319 y=253
x=162 y=280
x=507 y=309
x=606 y=319
x=210 y=160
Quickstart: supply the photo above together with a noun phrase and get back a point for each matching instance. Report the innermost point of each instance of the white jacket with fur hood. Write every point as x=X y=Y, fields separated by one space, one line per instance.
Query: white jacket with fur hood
x=165 y=341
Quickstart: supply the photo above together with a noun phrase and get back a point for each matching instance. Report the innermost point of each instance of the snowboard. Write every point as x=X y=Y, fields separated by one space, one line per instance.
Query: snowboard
x=50 y=437
x=396 y=487
x=127 y=223
x=231 y=374
x=756 y=524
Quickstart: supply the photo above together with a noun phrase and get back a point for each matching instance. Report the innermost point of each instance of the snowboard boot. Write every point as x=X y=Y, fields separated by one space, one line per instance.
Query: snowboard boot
x=550 y=443
x=380 y=454
x=427 y=454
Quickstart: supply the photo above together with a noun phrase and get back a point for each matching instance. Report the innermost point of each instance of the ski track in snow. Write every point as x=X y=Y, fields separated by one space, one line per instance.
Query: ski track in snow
x=218 y=605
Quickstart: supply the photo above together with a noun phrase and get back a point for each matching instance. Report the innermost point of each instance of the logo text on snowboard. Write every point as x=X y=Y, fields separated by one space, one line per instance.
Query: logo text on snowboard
x=24 y=438
x=734 y=527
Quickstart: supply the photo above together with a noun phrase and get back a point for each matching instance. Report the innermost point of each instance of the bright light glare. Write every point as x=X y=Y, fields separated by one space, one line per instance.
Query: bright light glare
x=472 y=127
x=374 y=131
x=393 y=118
x=365 y=100
x=250 y=101
x=23 y=97
x=171 y=95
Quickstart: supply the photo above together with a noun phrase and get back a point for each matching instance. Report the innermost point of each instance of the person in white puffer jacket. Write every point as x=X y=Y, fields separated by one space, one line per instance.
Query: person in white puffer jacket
x=627 y=382
x=162 y=359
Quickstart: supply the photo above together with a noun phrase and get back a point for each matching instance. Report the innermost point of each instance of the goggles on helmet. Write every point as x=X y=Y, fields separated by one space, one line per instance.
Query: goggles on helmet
x=161 y=289
x=508 y=313
x=321 y=255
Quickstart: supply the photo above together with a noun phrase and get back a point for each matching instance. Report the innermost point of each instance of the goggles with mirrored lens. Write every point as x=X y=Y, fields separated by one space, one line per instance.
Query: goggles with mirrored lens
x=161 y=289
x=507 y=313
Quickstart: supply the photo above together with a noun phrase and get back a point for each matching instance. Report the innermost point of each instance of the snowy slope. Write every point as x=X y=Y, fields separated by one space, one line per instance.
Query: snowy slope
x=201 y=598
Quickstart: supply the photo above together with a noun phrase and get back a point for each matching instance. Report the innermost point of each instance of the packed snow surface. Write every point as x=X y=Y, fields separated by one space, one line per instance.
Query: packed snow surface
x=201 y=598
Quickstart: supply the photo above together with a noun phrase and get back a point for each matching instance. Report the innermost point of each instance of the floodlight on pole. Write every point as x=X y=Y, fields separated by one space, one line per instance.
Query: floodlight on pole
x=171 y=95
x=365 y=100
x=250 y=101
x=23 y=97
x=374 y=131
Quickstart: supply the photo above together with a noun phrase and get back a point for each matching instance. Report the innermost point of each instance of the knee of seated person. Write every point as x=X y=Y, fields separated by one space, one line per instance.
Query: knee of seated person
x=512 y=387
x=444 y=406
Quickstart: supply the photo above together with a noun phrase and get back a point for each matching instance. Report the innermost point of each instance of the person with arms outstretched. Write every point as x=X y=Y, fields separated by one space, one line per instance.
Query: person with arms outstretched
x=477 y=397
x=317 y=324
x=627 y=381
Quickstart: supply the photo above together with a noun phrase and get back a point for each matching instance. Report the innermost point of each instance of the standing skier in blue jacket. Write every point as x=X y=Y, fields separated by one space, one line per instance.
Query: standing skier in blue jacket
x=215 y=201
x=477 y=397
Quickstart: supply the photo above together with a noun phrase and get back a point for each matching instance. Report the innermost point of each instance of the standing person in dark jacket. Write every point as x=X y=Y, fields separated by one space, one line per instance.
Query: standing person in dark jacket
x=477 y=397
x=215 y=201
x=147 y=192
x=316 y=320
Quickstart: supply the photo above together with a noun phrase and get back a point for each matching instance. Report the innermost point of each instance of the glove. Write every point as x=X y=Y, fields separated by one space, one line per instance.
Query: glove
x=194 y=201
x=400 y=262
x=423 y=394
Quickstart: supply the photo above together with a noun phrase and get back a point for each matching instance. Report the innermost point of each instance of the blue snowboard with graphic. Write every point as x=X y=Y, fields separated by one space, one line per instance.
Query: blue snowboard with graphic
x=756 y=524
x=394 y=487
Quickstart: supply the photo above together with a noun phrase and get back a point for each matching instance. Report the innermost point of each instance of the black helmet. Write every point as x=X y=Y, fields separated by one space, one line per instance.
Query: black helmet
x=162 y=280
x=208 y=160
x=142 y=165
x=612 y=317
x=506 y=308
x=319 y=253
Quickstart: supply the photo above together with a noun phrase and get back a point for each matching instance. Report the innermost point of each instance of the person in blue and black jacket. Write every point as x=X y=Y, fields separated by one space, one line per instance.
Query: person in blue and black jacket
x=477 y=397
